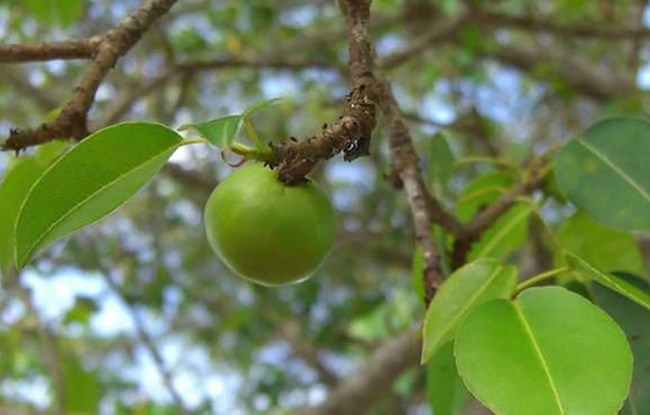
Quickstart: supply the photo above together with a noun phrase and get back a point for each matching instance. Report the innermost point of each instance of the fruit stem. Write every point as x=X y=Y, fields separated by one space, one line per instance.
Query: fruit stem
x=250 y=153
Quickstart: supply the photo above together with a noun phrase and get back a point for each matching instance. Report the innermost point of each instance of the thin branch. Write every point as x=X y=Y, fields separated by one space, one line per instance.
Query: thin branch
x=72 y=120
x=47 y=51
x=540 y=24
x=485 y=218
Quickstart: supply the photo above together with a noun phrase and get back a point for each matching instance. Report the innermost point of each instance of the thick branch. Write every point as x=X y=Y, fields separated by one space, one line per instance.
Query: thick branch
x=72 y=120
x=352 y=132
x=359 y=393
x=47 y=51
x=425 y=209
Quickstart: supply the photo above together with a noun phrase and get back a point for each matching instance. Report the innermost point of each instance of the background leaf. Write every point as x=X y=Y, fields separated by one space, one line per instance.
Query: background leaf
x=61 y=13
x=505 y=235
x=634 y=320
x=585 y=271
x=441 y=162
x=480 y=192
x=548 y=352
x=606 y=172
x=604 y=247
x=466 y=288
x=90 y=181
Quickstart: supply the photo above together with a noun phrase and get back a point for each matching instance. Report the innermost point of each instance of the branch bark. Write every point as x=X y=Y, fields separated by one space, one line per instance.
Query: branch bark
x=72 y=120
x=360 y=392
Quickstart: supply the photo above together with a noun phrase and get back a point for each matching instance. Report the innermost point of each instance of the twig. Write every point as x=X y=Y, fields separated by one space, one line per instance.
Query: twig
x=537 y=24
x=47 y=51
x=72 y=120
x=485 y=218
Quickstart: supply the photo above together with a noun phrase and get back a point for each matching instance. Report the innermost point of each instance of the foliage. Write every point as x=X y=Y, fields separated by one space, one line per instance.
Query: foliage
x=137 y=315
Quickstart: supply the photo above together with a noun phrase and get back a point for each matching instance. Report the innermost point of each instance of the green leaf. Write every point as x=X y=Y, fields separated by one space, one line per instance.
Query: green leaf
x=62 y=13
x=82 y=389
x=469 y=286
x=549 y=352
x=446 y=392
x=13 y=190
x=606 y=172
x=505 y=235
x=584 y=271
x=90 y=181
x=634 y=321
x=441 y=161
x=81 y=311
x=603 y=247
x=480 y=192
x=222 y=131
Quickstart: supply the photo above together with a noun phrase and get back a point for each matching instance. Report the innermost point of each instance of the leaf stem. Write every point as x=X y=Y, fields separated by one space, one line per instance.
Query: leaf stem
x=491 y=160
x=252 y=134
x=540 y=277
x=250 y=153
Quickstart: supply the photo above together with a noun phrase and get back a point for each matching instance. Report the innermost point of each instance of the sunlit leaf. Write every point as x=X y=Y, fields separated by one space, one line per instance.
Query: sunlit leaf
x=466 y=288
x=548 y=352
x=90 y=181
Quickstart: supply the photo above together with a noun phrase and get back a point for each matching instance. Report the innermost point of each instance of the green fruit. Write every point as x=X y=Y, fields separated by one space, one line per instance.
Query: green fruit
x=268 y=232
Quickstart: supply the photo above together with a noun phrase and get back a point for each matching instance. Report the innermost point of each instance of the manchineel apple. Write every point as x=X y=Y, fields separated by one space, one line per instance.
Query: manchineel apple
x=266 y=231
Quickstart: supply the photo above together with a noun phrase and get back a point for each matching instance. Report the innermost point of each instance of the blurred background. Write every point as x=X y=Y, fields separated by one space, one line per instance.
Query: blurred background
x=136 y=315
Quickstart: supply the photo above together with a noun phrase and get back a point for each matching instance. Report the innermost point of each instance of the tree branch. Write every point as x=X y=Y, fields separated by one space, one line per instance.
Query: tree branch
x=72 y=120
x=537 y=24
x=534 y=179
x=47 y=51
x=352 y=132
x=359 y=393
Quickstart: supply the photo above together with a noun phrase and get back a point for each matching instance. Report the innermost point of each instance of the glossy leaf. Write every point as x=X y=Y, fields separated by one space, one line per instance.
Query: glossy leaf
x=221 y=132
x=606 y=172
x=505 y=235
x=446 y=392
x=584 y=271
x=604 y=247
x=468 y=287
x=549 y=352
x=90 y=181
x=634 y=320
